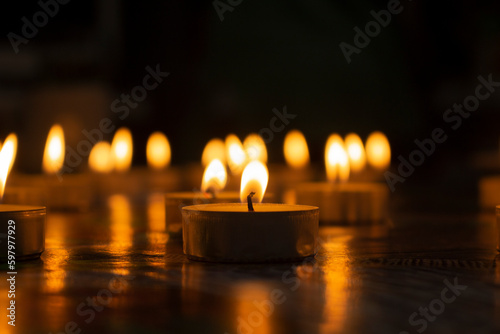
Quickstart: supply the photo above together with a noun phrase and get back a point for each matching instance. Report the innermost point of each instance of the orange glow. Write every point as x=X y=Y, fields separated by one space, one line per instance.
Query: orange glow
x=121 y=150
x=215 y=149
x=295 y=150
x=356 y=152
x=100 y=159
x=338 y=290
x=214 y=177
x=378 y=150
x=247 y=295
x=156 y=212
x=254 y=179
x=336 y=159
x=7 y=157
x=53 y=156
x=158 y=151
x=255 y=148
x=121 y=221
x=235 y=154
x=156 y=219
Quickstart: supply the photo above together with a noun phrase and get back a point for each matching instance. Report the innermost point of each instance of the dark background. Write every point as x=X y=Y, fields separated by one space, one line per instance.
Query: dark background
x=227 y=76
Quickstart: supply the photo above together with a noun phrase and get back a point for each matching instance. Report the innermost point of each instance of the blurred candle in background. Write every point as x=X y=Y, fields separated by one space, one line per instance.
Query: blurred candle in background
x=122 y=150
x=255 y=148
x=236 y=160
x=297 y=168
x=295 y=150
x=214 y=149
x=214 y=178
x=336 y=159
x=356 y=153
x=235 y=153
x=100 y=158
x=53 y=157
x=378 y=151
x=158 y=151
x=342 y=201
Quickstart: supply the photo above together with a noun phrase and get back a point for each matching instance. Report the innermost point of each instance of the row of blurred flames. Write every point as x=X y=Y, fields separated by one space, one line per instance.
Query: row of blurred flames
x=343 y=156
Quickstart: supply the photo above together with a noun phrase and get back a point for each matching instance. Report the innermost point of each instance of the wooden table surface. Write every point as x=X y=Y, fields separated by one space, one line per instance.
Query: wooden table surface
x=117 y=271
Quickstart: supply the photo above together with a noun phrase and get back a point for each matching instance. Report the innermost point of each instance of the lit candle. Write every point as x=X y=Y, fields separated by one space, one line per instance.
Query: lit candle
x=112 y=166
x=22 y=226
x=255 y=148
x=297 y=169
x=295 y=150
x=214 y=149
x=248 y=232
x=355 y=152
x=341 y=200
x=161 y=176
x=235 y=154
x=213 y=183
x=53 y=189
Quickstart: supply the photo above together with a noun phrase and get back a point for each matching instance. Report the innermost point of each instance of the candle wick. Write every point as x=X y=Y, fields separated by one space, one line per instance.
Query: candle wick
x=211 y=191
x=249 y=201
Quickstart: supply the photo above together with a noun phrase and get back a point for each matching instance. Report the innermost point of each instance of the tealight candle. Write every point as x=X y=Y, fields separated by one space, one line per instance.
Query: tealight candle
x=342 y=201
x=263 y=232
x=23 y=230
x=23 y=227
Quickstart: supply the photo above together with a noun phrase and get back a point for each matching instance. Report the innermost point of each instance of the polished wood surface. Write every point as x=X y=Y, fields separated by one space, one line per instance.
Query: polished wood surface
x=117 y=271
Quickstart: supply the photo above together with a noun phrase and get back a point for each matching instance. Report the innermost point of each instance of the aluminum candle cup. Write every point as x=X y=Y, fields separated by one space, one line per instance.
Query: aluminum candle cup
x=345 y=203
x=174 y=202
x=24 y=227
x=230 y=233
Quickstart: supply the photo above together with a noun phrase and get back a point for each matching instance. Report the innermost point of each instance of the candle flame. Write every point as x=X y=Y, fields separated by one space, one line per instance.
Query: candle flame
x=100 y=159
x=378 y=150
x=336 y=159
x=121 y=150
x=53 y=156
x=214 y=177
x=7 y=157
x=356 y=152
x=215 y=149
x=254 y=179
x=158 y=151
x=236 y=156
x=295 y=150
x=255 y=148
